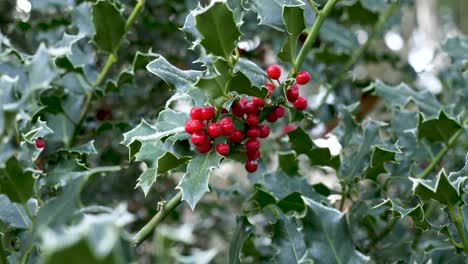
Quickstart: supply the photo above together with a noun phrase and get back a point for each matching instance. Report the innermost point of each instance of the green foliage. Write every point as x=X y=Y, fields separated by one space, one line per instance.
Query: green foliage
x=95 y=79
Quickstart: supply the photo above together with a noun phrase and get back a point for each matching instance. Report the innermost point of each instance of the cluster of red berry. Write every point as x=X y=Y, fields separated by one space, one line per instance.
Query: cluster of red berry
x=204 y=131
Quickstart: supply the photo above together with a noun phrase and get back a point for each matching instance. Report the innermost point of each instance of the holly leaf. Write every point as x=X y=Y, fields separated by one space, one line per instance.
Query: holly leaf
x=252 y=71
x=16 y=183
x=288 y=162
x=179 y=79
x=109 y=25
x=269 y=12
x=416 y=213
x=194 y=183
x=380 y=155
x=81 y=15
x=440 y=189
x=293 y=18
x=374 y=5
x=216 y=86
x=13 y=214
x=457 y=49
x=327 y=235
x=438 y=129
x=218 y=29
x=242 y=232
x=341 y=39
x=241 y=84
x=302 y=144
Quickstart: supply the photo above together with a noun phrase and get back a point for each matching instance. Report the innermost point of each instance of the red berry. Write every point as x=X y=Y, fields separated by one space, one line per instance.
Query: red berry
x=236 y=136
x=258 y=102
x=39 y=143
x=300 y=104
x=251 y=109
x=252 y=120
x=196 y=113
x=302 y=77
x=205 y=147
x=207 y=112
x=252 y=155
x=252 y=145
x=279 y=111
x=253 y=132
x=271 y=117
x=274 y=71
x=192 y=126
x=251 y=166
x=214 y=130
x=243 y=101
x=199 y=138
x=238 y=109
x=226 y=126
x=222 y=149
x=224 y=111
x=264 y=131
x=270 y=88
x=292 y=93
x=289 y=128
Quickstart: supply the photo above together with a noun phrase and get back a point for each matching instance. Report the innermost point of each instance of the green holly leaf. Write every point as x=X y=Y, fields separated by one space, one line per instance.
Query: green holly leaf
x=440 y=189
x=438 y=129
x=399 y=96
x=416 y=213
x=181 y=80
x=288 y=162
x=218 y=29
x=40 y=71
x=379 y=157
x=216 y=86
x=252 y=71
x=302 y=144
x=16 y=183
x=13 y=214
x=109 y=25
x=85 y=149
x=457 y=49
x=241 y=84
x=374 y=5
x=327 y=235
x=340 y=38
x=270 y=12
x=81 y=15
x=293 y=18
x=288 y=239
x=242 y=232
x=40 y=130
x=194 y=184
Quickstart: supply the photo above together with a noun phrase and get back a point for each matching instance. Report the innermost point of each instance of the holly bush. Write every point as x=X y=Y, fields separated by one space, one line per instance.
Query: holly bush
x=183 y=132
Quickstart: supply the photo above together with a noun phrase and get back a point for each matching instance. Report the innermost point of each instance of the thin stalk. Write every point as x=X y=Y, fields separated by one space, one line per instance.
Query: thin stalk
x=358 y=53
x=458 y=221
x=157 y=219
x=312 y=35
x=313 y=6
x=443 y=151
x=102 y=75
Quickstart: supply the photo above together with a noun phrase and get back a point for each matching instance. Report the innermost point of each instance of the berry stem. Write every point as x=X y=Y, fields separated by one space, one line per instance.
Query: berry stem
x=146 y=230
x=312 y=35
x=109 y=62
x=358 y=53
x=313 y=6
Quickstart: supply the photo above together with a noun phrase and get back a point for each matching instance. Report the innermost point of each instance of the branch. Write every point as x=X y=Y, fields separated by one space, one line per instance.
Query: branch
x=312 y=35
x=109 y=62
x=358 y=53
x=458 y=221
x=157 y=219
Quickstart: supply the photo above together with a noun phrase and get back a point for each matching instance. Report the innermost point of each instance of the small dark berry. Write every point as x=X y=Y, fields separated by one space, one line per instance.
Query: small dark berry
x=264 y=131
x=226 y=125
x=251 y=109
x=253 y=132
x=251 y=166
x=243 y=101
x=271 y=117
x=274 y=71
x=198 y=138
x=207 y=112
x=205 y=147
x=214 y=130
x=302 y=77
x=252 y=145
x=236 y=136
x=192 y=126
x=279 y=111
x=222 y=149
x=270 y=88
x=258 y=102
x=238 y=109
x=300 y=104
x=292 y=93
x=224 y=111
x=252 y=120
x=289 y=128
x=196 y=113
x=39 y=143
x=252 y=155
